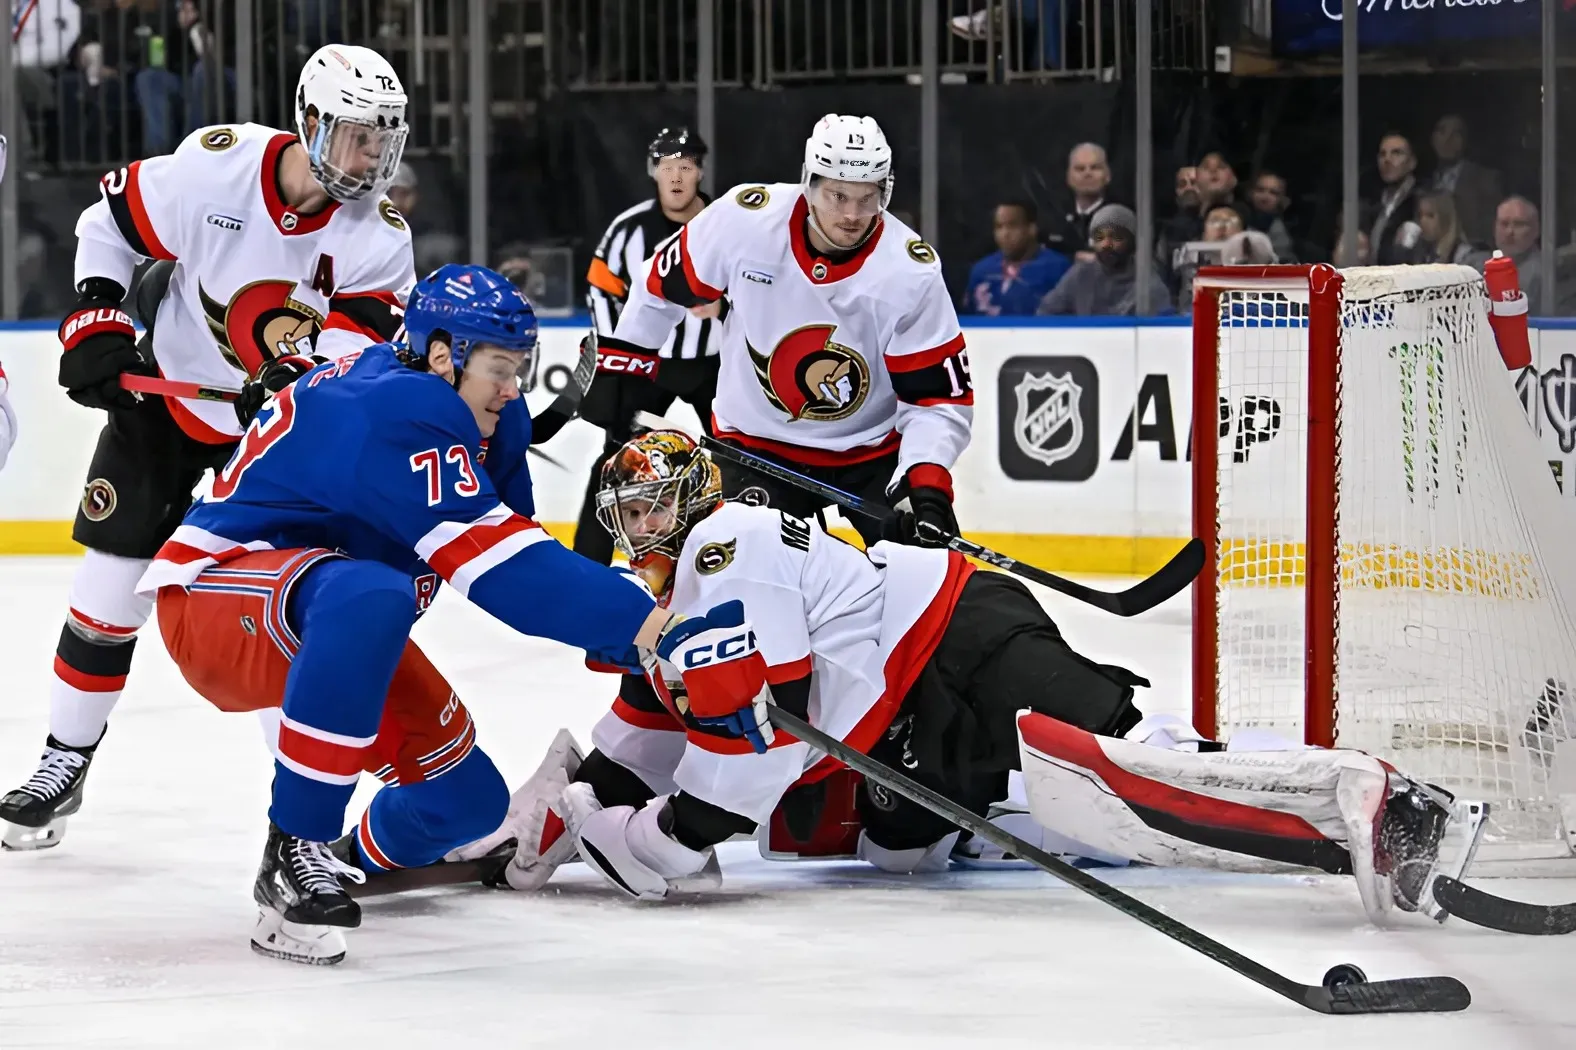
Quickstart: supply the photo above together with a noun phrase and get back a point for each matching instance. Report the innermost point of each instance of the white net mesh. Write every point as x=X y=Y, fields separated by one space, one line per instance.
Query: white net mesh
x=1455 y=639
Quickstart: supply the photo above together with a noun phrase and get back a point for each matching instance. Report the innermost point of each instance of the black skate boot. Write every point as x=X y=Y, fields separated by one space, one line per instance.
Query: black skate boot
x=1411 y=832
x=36 y=812
x=304 y=904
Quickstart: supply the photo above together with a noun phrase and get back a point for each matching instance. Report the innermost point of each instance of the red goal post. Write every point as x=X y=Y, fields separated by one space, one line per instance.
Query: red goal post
x=1388 y=562
x=1321 y=283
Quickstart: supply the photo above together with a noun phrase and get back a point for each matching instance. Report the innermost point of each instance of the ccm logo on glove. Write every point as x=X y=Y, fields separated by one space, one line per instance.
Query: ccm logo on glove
x=719 y=652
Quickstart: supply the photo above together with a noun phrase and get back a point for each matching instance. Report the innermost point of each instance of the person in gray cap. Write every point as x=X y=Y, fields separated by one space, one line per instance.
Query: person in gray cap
x=1107 y=284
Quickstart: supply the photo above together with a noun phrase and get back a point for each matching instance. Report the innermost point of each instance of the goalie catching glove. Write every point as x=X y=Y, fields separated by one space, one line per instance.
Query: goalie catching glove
x=723 y=672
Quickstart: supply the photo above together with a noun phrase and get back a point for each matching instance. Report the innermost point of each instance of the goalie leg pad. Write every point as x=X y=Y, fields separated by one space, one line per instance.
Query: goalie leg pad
x=630 y=848
x=533 y=822
x=1247 y=811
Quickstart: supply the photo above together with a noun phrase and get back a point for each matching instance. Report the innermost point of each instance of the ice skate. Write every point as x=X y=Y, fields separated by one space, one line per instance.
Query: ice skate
x=301 y=891
x=1417 y=818
x=35 y=813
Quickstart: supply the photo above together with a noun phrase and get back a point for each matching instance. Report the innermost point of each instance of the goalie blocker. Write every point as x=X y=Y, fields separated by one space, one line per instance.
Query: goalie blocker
x=954 y=676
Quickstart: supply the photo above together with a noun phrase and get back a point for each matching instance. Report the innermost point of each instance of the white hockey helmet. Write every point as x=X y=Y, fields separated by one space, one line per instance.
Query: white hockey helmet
x=848 y=149
x=359 y=105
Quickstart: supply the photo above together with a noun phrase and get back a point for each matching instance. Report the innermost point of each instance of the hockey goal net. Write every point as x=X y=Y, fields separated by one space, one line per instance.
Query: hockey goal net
x=1389 y=567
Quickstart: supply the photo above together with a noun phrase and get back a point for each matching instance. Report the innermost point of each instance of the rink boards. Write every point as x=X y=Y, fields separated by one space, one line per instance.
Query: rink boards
x=1079 y=461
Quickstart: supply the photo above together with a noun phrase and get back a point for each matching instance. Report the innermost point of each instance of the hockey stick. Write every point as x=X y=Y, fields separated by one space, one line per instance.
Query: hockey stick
x=1497 y=913
x=1172 y=578
x=567 y=404
x=1407 y=995
x=486 y=870
x=176 y=388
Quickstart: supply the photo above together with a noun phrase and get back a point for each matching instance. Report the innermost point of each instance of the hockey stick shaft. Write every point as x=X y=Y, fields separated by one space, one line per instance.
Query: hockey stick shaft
x=1169 y=581
x=566 y=405
x=176 y=388
x=1426 y=994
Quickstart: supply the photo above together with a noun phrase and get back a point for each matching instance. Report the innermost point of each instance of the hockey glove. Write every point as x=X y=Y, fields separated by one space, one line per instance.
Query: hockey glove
x=100 y=345
x=724 y=673
x=610 y=403
x=923 y=501
x=271 y=378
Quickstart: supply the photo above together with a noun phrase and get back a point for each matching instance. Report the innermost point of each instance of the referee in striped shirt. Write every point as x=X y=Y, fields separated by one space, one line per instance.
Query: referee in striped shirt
x=688 y=367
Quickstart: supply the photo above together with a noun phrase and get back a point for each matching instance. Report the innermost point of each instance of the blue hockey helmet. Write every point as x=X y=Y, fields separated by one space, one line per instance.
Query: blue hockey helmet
x=471 y=306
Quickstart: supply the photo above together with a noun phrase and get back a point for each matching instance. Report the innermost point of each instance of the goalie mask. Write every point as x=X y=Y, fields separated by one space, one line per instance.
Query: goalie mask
x=653 y=491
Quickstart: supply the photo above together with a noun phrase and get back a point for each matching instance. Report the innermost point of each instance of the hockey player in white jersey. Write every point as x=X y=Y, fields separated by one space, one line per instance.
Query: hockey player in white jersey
x=276 y=245
x=842 y=354
x=954 y=676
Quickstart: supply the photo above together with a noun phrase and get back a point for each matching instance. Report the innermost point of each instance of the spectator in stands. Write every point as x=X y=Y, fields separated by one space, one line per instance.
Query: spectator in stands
x=1222 y=223
x=1394 y=232
x=173 y=93
x=1267 y=202
x=1012 y=281
x=1088 y=176
x=93 y=90
x=1184 y=226
x=1476 y=189
x=47 y=39
x=1439 y=231
x=1517 y=234
x=1217 y=181
x=1107 y=284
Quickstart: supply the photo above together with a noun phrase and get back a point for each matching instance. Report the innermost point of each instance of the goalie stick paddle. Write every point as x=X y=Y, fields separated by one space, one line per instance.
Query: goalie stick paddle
x=1406 y=995
x=1497 y=913
x=1171 y=579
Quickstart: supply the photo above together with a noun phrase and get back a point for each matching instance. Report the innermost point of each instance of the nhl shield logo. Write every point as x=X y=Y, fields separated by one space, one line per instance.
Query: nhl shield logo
x=1047 y=422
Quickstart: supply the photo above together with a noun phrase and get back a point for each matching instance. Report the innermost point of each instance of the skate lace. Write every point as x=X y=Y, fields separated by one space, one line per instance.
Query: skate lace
x=54 y=773
x=318 y=870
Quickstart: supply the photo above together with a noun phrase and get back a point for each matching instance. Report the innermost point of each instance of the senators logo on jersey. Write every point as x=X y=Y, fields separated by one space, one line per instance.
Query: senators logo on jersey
x=261 y=322
x=809 y=376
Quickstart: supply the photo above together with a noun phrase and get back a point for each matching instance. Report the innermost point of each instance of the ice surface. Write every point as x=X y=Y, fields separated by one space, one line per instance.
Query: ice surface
x=133 y=933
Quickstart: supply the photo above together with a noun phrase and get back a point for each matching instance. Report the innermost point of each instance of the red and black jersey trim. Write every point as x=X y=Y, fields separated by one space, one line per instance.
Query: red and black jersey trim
x=286 y=219
x=123 y=194
x=673 y=276
x=377 y=315
x=938 y=376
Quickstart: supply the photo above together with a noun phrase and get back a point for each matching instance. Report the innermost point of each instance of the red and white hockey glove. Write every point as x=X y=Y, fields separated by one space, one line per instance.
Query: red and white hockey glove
x=621 y=357
x=100 y=346
x=724 y=673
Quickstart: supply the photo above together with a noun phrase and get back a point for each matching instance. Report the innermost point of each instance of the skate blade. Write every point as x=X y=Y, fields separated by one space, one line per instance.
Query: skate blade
x=278 y=938
x=18 y=839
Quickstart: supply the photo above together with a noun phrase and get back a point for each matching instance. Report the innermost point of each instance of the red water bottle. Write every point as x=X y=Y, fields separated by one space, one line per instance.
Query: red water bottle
x=1507 y=311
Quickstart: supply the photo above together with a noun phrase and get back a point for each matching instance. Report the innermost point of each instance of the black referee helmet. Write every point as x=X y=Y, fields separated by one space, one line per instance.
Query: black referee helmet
x=675 y=142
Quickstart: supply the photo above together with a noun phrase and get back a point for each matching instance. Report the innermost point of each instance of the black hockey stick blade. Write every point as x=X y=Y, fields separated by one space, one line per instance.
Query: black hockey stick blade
x=1172 y=578
x=1497 y=913
x=486 y=870
x=1408 y=995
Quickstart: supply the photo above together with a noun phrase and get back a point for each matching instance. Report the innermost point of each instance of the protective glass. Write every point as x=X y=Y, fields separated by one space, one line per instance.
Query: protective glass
x=352 y=158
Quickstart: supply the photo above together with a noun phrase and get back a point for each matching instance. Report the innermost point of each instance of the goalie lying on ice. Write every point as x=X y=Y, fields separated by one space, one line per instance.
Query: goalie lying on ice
x=956 y=677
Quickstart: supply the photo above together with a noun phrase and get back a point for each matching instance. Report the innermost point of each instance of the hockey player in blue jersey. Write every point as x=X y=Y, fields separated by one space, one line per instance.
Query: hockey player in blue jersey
x=292 y=587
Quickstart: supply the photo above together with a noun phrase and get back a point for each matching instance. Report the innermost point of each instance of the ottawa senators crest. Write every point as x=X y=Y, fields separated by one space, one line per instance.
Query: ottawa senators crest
x=261 y=322
x=808 y=376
